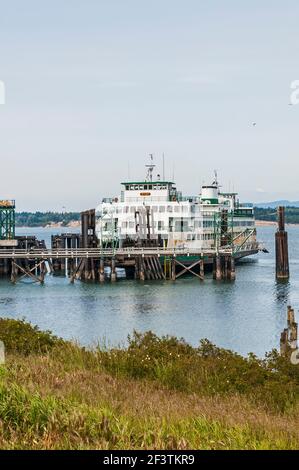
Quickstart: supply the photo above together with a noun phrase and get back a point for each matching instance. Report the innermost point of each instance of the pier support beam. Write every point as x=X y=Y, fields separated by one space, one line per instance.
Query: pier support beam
x=102 y=271
x=217 y=268
x=113 y=273
x=232 y=269
x=202 y=267
x=173 y=276
x=281 y=247
x=141 y=269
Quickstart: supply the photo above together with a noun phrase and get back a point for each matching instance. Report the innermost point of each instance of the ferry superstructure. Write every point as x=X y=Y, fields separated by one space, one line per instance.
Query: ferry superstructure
x=154 y=211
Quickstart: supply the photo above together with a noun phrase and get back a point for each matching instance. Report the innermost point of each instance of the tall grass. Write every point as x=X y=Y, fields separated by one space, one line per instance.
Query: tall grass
x=157 y=393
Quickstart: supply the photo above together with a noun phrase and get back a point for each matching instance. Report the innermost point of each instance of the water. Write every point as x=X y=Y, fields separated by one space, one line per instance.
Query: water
x=246 y=316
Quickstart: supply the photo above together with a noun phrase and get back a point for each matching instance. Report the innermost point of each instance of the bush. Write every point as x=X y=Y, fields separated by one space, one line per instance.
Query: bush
x=21 y=337
x=206 y=370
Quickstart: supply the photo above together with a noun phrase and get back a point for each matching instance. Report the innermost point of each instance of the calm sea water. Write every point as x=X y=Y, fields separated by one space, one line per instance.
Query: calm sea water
x=245 y=316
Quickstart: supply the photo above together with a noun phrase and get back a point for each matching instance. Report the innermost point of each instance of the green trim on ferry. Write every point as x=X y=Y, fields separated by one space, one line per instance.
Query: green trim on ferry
x=211 y=201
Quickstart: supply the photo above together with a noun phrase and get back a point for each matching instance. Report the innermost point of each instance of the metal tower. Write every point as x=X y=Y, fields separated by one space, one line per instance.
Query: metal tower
x=7 y=220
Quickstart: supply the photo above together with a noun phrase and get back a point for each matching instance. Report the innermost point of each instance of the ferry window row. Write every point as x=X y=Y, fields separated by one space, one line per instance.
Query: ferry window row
x=142 y=187
x=154 y=209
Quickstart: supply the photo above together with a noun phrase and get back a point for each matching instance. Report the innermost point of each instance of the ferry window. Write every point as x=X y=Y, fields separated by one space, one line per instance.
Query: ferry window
x=177 y=209
x=169 y=208
x=145 y=186
x=131 y=187
x=136 y=187
x=126 y=209
x=132 y=209
x=127 y=187
x=141 y=187
x=154 y=209
x=131 y=225
x=162 y=209
x=160 y=225
x=124 y=224
x=150 y=186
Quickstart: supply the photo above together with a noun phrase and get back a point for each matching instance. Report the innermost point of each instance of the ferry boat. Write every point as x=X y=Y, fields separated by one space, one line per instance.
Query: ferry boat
x=152 y=211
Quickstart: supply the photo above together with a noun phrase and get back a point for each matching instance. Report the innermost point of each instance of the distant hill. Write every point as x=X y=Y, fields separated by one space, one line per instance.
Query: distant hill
x=274 y=204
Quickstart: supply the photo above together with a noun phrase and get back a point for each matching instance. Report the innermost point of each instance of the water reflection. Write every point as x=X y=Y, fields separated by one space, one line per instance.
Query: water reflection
x=282 y=291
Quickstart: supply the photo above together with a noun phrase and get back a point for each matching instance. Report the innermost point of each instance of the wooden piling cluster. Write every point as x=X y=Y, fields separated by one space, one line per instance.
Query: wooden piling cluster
x=289 y=336
x=224 y=267
x=281 y=247
x=65 y=241
x=79 y=268
x=34 y=269
x=148 y=267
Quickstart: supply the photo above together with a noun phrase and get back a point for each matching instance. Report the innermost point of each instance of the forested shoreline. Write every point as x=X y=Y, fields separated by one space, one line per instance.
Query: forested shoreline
x=41 y=219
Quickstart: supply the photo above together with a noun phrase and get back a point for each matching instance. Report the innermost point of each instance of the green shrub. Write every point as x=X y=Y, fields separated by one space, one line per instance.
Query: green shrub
x=21 y=337
x=206 y=370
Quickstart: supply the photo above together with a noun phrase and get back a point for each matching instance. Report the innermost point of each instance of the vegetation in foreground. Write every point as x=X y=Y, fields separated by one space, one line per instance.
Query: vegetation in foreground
x=158 y=393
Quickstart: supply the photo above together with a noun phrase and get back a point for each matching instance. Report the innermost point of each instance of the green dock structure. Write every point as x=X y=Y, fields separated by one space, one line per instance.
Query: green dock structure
x=7 y=219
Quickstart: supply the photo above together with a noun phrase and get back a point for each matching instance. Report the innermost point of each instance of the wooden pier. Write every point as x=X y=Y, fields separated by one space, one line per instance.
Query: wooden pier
x=144 y=263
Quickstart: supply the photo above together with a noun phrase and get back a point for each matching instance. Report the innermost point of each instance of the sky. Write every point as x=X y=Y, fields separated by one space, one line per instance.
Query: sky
x=92 y=88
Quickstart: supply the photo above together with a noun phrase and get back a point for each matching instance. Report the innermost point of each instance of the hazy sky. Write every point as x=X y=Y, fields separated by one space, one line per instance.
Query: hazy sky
x=93 y=87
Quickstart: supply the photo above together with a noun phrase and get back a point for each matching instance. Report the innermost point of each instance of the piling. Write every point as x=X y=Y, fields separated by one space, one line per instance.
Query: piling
x=102 y=271
x=113 y=273
x=217 y=268
x=289 y=336
x=281 y=247
x=232 y=268
x=141 y=269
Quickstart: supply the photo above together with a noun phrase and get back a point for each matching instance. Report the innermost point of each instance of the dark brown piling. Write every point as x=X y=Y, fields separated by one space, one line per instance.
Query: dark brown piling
x=141 y=269
x=281 y=247
x=102 y=271
x=113 y=272
x=217 y=272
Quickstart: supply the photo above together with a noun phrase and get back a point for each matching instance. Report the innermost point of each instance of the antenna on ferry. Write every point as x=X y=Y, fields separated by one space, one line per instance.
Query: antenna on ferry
x=215 y=182
x=163 y=167
x=150 y=168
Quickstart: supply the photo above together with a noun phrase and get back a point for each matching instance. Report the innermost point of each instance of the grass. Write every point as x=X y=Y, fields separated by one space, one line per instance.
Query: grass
x=158 y=393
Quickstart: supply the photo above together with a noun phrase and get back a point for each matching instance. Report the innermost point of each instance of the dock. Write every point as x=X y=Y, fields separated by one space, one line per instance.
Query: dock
x=78 y=256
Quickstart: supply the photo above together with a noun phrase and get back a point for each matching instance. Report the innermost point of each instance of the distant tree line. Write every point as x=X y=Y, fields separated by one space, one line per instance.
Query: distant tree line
x=270 y=214
x=41 y=219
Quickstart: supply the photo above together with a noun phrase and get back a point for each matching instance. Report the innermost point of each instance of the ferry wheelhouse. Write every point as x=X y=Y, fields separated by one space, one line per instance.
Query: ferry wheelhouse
x=153 y=211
